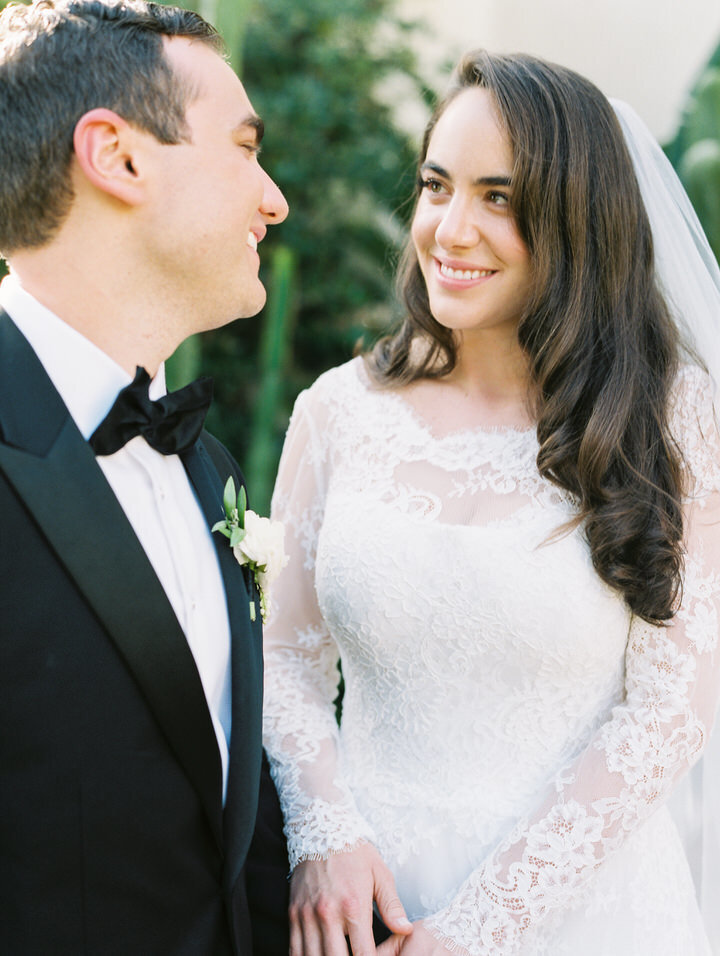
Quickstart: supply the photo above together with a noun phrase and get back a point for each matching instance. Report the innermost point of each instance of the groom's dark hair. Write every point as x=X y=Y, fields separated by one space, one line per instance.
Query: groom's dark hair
x=58 y=60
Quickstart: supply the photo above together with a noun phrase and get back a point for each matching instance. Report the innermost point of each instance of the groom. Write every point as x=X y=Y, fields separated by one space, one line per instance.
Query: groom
x=131 y=208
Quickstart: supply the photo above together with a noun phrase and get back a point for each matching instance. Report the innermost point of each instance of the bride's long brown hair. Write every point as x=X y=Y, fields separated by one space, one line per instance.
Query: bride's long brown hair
x=600 y=342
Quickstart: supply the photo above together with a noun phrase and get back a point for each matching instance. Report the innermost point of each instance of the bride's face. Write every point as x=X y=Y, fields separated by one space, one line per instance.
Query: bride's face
x=476 y=266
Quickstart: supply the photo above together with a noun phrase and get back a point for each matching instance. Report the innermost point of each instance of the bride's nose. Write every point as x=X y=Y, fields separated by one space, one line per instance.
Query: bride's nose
x=458 y=226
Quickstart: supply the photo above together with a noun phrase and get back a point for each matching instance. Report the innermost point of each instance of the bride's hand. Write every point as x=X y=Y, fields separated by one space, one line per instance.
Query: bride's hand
x=331 y=899
x=421 y=943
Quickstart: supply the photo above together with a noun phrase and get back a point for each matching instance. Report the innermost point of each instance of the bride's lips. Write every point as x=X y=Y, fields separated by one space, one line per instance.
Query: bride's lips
x=458 y=274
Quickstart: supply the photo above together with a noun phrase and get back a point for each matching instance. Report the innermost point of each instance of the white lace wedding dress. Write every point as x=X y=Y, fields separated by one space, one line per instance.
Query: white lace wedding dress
x=509 y=732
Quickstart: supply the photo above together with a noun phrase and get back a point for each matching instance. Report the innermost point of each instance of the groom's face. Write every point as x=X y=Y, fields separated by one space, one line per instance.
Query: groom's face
x=213 y=201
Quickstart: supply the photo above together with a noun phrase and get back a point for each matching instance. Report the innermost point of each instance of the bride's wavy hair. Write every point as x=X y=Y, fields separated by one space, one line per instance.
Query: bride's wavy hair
x=600 y=342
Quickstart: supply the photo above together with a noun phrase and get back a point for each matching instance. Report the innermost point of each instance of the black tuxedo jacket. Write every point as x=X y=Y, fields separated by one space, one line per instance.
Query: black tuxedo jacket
x=113 y=838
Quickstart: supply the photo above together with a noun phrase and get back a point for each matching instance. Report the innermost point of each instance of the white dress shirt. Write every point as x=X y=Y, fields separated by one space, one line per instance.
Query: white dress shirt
x=153 y=491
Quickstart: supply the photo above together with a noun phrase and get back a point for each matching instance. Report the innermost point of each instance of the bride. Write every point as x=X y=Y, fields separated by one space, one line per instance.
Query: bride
x=504 y=521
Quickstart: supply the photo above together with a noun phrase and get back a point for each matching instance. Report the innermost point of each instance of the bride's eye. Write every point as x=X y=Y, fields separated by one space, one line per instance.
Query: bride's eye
x=428 y=184
x=431 y=186
x=499 y=198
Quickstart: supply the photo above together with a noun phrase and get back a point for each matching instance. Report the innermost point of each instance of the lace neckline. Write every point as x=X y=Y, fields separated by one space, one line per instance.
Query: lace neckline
x=477 y=434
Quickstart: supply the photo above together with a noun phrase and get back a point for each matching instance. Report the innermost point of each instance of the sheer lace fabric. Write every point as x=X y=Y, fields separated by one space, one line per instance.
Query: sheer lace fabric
x=509 y=733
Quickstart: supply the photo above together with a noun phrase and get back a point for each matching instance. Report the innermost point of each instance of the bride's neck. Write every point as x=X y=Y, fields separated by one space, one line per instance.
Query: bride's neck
x=493 y=373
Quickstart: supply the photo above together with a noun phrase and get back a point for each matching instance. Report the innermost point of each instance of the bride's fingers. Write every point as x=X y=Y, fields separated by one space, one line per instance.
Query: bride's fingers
x=312 y=941
x=334 y=943
x=389 y=906
x=305 y=935
x=360 y=933
x=391 y=946
x=312 y=936
x=296 y=941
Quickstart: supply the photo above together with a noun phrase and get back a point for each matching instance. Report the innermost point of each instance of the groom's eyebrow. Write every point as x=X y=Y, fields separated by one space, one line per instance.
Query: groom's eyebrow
x=253 y=122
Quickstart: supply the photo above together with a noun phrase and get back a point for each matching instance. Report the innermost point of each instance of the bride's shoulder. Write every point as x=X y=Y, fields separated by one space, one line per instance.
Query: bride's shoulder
x=694 y=426
x=335 y=394
x=336 y=384
x=692 y=401
x=692 y=380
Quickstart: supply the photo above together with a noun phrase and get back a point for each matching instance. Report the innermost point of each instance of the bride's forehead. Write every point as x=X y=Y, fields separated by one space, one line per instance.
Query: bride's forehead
x=469 y=130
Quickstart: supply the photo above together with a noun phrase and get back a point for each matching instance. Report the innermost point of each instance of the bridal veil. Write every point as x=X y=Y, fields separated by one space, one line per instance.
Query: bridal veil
x=689 y=276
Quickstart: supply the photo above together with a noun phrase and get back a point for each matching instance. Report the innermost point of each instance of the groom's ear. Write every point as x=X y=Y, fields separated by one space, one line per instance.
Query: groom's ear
x=107 y=149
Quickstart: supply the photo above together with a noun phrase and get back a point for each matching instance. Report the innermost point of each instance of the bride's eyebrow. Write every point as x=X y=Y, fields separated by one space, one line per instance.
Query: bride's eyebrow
x=480 y=181
x=493 y=181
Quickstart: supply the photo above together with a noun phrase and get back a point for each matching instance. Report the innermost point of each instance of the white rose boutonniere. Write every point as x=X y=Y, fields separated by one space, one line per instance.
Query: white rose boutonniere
x=257 y=543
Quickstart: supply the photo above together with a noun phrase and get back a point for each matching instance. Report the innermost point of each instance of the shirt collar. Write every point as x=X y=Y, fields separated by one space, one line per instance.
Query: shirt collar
x=87 y=379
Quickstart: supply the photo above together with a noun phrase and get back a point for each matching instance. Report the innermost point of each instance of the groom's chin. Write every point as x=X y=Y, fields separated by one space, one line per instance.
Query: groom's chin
x=250 y=304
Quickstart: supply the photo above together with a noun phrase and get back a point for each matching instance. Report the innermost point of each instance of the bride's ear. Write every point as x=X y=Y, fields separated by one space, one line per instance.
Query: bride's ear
x=107 y=150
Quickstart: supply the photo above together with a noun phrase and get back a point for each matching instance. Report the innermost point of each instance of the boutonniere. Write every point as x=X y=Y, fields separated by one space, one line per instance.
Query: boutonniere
x=257 y=543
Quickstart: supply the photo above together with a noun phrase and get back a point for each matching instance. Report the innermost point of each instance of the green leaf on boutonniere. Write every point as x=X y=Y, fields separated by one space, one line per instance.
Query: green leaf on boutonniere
x=241 y=505
x=229 y=498
x=233 y=527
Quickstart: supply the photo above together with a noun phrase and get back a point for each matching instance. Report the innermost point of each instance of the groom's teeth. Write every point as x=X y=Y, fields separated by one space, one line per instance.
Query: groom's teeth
x=464 y=273
x=252 y=241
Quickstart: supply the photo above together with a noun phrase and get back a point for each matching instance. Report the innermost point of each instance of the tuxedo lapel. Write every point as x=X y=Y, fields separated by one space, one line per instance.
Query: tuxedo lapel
x=54 y=473
x=246 y=664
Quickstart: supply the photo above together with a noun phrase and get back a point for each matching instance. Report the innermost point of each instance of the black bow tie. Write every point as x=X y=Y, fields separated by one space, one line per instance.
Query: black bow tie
x=170 y=425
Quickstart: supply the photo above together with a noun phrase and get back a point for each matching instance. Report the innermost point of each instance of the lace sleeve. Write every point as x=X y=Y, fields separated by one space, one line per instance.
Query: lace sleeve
x=653 y=737
x=301 y=659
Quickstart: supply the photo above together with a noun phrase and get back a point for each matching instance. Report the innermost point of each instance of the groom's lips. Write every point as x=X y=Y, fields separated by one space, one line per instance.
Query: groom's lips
x=256 y=236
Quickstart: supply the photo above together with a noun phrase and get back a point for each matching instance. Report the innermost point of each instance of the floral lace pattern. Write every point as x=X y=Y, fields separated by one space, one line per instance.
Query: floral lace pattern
x=508 y=730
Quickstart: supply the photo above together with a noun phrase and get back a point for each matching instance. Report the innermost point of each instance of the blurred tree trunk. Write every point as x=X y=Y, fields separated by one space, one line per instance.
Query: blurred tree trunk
x=229 y=18
x=268 y=414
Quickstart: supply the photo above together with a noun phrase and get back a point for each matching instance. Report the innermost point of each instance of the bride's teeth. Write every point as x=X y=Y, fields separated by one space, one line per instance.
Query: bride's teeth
x=464 y=273
x=252 y=241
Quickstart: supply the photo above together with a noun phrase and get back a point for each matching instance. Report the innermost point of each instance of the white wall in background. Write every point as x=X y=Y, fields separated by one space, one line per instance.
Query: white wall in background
x=648 y=52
